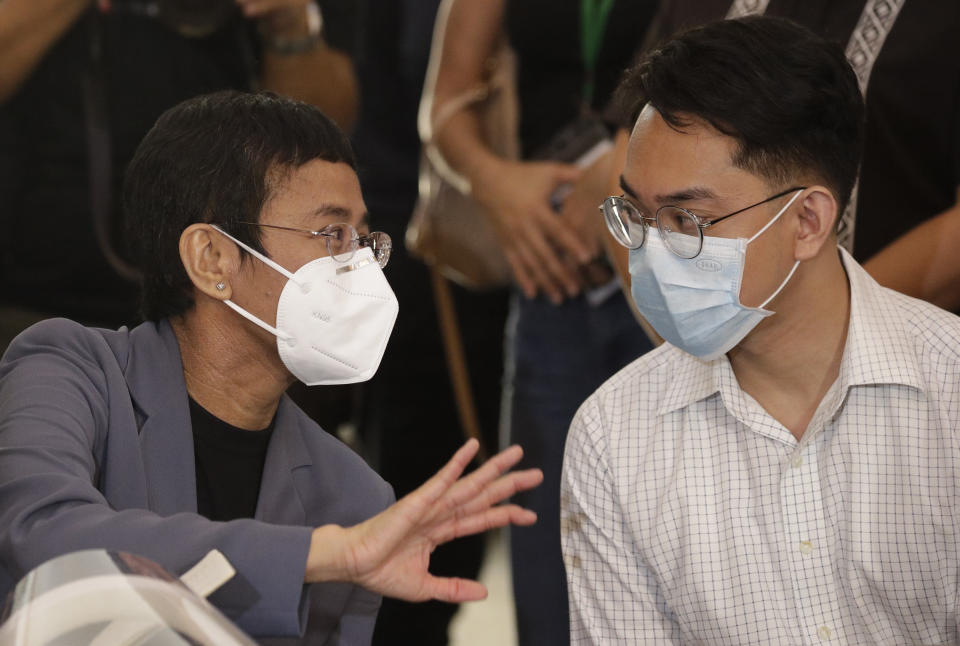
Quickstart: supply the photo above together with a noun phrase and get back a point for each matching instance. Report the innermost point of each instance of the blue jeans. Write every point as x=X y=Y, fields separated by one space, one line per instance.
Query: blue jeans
x=560 y=355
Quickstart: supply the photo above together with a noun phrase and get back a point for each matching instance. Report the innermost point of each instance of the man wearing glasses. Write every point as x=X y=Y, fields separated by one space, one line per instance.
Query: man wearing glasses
x=784 y=469
x=175 y=438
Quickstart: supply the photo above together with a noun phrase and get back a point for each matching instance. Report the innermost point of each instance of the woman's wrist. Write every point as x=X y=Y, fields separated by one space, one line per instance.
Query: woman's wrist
x=485 y=174
x=326 y=560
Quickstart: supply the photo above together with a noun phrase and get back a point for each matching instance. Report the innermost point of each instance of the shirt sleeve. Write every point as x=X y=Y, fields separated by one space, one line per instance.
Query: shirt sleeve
x=54 y=416
x=614 y=597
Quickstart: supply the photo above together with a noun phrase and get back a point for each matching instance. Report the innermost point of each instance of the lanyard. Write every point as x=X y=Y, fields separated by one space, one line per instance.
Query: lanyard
x=593 y=24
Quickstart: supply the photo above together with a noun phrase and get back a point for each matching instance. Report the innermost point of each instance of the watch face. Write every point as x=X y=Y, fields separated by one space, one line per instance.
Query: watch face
x=195 y=18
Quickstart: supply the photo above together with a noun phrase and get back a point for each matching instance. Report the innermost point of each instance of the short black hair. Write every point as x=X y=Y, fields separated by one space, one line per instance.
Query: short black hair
x=788 y=96
x=210 y=159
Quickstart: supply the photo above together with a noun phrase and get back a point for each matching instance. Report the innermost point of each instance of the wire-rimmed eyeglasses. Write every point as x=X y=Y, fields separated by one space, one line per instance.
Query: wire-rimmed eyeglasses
x=342 y=240
x=680 y=229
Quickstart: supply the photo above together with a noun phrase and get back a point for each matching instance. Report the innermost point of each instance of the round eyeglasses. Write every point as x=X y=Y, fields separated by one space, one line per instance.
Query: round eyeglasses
x=680 y=229
x=342 y=240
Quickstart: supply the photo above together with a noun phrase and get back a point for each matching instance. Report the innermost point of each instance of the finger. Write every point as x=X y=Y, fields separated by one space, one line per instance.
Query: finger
x=566 y=238
x=535 y=267
x=549 y=260
x=565 y=173
x=455 y=590
x=426 y=496
x=540 y=278
x=520 y=273
x=396 y=522
x=467 y=488
x=501 y=489
x=484 y=521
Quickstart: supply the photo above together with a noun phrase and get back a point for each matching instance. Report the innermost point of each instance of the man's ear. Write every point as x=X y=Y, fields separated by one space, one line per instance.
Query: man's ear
x=210 y=259
x=816 y=214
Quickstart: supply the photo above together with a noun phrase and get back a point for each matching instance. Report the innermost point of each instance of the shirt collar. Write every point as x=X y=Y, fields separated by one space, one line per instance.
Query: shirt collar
x=693 y=380
x=874 y=323
x=877 y=330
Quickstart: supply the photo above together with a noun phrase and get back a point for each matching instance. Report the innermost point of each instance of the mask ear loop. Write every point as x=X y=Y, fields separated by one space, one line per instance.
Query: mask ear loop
x=244 y=313
x=795 y=265
x=772 y=220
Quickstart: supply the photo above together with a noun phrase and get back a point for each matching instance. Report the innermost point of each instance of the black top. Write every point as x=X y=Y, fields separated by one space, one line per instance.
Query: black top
x=911 y=163
x=229 y=465
x=546 y=37
x=391 y=64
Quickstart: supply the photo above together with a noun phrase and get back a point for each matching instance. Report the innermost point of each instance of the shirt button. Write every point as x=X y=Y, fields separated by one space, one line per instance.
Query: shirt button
x=823 y=633
x=806 y=547
x=797 y=462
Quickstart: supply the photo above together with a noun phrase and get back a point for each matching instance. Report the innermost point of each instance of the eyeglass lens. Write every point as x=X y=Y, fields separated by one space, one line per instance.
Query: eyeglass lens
x=680 y=231
x=624 y=222
x=341 y=240
x=381 y=245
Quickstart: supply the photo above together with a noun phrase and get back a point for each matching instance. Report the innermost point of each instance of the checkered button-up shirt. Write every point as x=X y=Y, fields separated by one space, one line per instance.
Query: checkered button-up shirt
x=691 y=516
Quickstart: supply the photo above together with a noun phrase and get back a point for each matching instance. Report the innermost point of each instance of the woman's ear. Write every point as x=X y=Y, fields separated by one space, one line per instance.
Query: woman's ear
x=210 y=259
x=816 y=214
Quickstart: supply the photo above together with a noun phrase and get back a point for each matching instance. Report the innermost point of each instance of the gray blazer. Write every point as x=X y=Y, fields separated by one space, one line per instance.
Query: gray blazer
x=96 y=450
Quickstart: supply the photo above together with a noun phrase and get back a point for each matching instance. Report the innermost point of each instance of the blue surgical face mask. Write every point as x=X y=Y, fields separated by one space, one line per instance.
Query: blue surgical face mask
x=695 y=303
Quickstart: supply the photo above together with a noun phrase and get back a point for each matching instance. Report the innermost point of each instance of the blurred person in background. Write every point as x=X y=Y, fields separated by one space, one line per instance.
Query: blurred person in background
x=571 y=328
x=81 y=82
x=408 y=421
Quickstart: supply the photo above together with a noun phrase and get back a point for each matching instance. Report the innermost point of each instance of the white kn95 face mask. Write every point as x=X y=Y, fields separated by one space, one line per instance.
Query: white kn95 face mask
x=333 y=318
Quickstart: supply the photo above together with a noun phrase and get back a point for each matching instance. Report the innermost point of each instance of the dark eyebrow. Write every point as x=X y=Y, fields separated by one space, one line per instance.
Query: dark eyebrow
x=341 y=213
x=333 y=211
x=687 y=195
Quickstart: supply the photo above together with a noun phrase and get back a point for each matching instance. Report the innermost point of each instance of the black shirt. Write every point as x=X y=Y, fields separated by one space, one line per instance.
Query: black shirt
x=228 y=462
x=550 y=71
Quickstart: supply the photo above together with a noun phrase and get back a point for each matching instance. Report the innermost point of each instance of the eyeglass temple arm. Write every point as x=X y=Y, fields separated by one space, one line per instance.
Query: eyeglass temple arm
x=704 y=225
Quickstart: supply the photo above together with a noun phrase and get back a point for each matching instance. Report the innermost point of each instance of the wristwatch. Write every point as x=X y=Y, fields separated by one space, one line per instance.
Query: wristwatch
x=287 y=46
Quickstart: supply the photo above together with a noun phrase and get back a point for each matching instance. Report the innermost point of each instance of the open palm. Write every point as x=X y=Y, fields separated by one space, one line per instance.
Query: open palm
x=390 y=553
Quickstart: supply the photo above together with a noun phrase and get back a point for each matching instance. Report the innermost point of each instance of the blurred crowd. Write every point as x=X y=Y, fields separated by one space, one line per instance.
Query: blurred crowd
x=82 y=81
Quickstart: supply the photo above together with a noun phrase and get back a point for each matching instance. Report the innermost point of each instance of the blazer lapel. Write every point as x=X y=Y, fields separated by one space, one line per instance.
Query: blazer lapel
x=280 y=500
x=155 y=379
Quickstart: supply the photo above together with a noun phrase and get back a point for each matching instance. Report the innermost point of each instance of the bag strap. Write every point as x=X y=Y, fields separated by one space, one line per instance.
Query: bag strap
x=429 y=122
x=446 y=111
x=457 y=361
x=100 y=151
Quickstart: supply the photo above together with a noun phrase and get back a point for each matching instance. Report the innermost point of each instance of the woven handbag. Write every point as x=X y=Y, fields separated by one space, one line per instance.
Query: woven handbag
x=448 y=229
